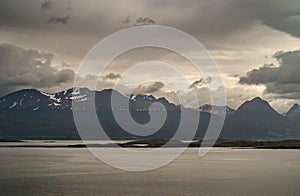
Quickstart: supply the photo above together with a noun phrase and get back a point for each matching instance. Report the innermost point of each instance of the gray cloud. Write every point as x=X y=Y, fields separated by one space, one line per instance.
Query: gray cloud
x=46 y=5
x=280 y=15
x=140 y=21
x=149 y=88
x=112 y=76
x=27 y=68
x=234 y=26
x=126 y=20
x=283 y=80
x=215 y=23
x=144 y=21
x=59 y=19
x=69 y=6
x=205 y=18
x=200 y=82
x=288 y=24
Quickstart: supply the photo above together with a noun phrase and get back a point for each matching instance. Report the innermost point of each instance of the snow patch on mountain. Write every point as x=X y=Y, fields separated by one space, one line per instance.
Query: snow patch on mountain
x=13 y=105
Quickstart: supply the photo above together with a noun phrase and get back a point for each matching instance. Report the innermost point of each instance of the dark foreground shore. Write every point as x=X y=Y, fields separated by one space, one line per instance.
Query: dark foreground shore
x=156 y=143
x=284 y=144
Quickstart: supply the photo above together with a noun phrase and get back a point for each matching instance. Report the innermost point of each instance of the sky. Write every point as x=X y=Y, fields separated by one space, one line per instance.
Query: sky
x=255 y=44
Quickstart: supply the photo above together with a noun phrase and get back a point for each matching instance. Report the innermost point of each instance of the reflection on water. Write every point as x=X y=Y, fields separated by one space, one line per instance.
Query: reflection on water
x=65 y=171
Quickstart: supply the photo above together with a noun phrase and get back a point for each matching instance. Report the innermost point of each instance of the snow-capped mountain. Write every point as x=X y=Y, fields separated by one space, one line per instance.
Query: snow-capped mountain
x=143 y=102
x=25 y=99
x=31 y=114
x=31 y=99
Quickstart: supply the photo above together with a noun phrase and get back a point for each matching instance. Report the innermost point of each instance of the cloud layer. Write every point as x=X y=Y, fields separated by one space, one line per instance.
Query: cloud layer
x=238 y=33
x=27 y=68
x=46 y=5
x=112 y=76
x=282 y=80
x=59 y=19
x=200 y=82
x=144 y=21
x=149 y=88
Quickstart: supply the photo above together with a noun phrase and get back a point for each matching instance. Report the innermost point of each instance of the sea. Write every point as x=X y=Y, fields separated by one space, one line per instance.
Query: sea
x=76 y=171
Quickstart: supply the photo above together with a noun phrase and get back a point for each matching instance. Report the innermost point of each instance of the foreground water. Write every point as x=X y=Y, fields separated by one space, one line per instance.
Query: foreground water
x=75 y=171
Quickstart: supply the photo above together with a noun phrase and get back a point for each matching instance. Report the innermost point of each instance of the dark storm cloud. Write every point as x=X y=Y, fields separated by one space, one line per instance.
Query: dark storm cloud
x=150 y=88
x=30 y=14
x=144 y=21
x=19 y=14
x=200 y=82
x=220 y=18
x=203 y=18
x=283 y=80
x=288 y=24
x=59 y=19
x=46 y=5
x=280 y=15
x=62 y=19
x=27 y=68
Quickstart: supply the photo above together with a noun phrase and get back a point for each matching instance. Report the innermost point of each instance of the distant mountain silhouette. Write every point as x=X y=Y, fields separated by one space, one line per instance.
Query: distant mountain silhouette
x=31 y=114
x=257 y=105
x=256 y=119
x=215 y=109
x=294 y=114
x=31 y=99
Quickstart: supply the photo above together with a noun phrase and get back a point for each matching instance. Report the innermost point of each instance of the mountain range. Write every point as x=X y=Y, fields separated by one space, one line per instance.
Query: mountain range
x=32 y=114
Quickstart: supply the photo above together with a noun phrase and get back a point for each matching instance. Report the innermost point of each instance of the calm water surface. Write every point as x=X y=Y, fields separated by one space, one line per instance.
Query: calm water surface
x=65 y=171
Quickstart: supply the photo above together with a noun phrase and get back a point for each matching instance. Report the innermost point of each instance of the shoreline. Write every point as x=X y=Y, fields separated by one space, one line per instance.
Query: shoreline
x=157 y=143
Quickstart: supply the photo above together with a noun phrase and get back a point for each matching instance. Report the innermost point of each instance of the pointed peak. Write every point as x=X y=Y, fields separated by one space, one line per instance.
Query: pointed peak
x=163 y=99
x=107 y=90
x=293 y=109
x=256 y=104
x=257 y=99
x=295 y=106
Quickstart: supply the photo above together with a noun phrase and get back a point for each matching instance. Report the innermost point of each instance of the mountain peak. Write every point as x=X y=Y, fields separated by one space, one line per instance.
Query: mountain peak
x=257 y=99
x=293 y=108
x=23 y=99
x=256 y=104
x=294 y=111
